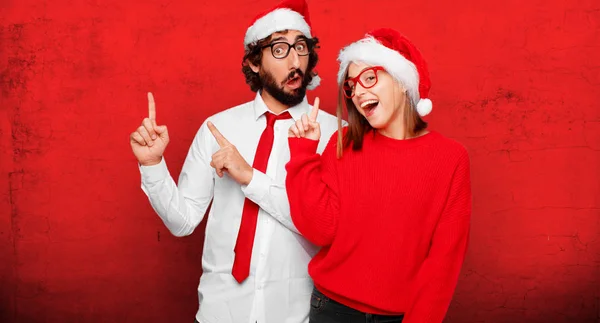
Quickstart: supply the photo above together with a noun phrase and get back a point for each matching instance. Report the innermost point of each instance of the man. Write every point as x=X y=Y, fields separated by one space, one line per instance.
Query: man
x=254 y=260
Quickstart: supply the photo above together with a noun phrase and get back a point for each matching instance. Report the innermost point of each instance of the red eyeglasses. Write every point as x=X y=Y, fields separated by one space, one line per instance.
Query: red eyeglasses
x=367 y=78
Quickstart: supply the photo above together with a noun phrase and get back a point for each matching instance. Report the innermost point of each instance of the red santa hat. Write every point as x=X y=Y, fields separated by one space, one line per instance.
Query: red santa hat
x=400 y=58
x=287 y=15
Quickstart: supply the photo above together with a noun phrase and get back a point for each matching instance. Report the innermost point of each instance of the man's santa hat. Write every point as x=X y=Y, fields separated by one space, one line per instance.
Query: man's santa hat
x=287 y=15
x=388 y=48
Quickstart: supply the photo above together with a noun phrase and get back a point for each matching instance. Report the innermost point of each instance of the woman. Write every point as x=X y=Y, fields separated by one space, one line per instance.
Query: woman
x=389 y=201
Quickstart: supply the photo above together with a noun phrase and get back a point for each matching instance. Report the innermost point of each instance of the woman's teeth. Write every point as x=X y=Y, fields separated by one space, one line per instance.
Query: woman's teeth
x=368 y=102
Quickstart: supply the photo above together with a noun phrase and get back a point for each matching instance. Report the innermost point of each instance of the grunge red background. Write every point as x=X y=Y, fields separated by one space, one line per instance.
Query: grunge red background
x=517 y=82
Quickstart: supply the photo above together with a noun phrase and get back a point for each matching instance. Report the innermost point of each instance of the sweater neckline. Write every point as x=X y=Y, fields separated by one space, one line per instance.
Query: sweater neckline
x=404 y=143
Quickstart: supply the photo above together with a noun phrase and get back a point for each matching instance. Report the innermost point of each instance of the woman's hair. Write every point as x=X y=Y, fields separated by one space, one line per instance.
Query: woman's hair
x=358 y=126
x=253 y=54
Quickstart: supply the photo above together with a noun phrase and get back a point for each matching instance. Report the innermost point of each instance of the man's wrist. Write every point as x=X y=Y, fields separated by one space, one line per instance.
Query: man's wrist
x=151 y=162
x=248 y=176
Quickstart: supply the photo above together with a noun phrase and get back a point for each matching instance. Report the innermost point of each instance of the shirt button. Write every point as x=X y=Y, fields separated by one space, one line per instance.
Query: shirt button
x=276 y=128
x=260 y=287
x=262 y=254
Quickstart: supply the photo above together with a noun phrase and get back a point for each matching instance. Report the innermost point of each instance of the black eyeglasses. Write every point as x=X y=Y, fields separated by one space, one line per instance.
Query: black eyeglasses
x=281 y=50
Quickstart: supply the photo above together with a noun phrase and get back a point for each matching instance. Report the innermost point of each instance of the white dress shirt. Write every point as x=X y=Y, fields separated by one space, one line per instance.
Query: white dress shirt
x=278 y=289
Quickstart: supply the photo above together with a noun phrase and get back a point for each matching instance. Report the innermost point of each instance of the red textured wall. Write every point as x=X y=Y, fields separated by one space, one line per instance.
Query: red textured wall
x=517 y=82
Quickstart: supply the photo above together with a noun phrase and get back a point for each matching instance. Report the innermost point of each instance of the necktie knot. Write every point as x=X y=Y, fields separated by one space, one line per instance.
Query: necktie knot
x=271 y=118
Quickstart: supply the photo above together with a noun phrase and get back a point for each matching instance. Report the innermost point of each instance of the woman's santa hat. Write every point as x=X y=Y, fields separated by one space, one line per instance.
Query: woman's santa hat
x=400 y=58
x=287 y=15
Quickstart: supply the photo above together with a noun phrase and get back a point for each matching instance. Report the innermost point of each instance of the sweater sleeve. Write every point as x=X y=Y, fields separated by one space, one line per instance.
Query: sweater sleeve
x=311 y=185
x=437 y=278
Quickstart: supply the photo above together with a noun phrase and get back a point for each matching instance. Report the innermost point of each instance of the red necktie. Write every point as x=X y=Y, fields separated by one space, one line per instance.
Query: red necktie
x=245 y=239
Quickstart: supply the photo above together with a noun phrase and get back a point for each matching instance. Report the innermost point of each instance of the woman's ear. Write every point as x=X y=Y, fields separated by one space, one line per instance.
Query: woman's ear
x=400 y=87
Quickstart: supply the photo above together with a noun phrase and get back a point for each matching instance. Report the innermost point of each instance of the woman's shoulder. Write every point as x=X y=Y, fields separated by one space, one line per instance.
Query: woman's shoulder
x=451 y=146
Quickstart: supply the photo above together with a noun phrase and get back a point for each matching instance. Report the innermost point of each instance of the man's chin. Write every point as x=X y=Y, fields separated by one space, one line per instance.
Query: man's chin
x=292 y=90
x=285 y=94
x=289 y=91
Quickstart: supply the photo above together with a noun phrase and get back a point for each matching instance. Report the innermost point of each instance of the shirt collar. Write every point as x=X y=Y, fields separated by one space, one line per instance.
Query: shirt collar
x=296 y=111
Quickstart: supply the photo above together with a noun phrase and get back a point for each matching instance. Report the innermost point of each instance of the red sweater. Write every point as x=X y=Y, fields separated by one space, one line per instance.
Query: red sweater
x=392 y=220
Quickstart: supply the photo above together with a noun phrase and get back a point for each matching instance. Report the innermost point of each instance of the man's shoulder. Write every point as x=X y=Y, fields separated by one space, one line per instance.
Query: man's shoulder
x=326 y=115
x=226 y=121
x=327 y=120
x=233 y=113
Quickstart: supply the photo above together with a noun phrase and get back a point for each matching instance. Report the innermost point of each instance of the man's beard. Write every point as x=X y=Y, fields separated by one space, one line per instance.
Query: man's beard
x=277 y=90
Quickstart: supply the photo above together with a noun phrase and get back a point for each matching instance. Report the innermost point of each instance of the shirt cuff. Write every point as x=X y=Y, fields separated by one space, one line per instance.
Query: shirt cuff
x=302 y=147
x=154 y=173
x=258 y=186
